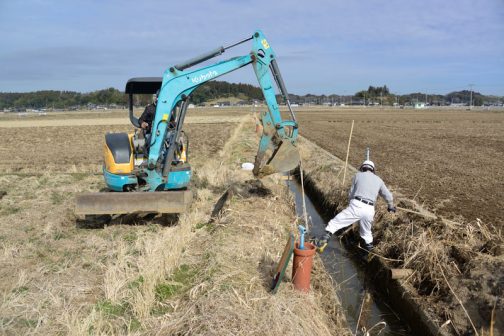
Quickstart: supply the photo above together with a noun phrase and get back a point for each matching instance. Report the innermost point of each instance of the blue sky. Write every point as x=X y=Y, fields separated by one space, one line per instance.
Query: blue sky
x=323 y=47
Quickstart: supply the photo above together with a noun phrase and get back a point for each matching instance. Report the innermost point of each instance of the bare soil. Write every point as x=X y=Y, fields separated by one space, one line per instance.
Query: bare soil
x=448 y=160
x=66 y=118
x=74 y=149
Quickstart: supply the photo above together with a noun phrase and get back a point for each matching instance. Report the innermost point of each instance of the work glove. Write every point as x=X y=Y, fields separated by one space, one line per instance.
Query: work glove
x=321 y=242
x=391 y=208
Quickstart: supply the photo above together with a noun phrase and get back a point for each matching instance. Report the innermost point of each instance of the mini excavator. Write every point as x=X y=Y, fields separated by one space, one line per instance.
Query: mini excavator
x=151 y=174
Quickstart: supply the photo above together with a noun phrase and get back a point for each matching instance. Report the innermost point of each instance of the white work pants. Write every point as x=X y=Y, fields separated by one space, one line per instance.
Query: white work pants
x=356 y=211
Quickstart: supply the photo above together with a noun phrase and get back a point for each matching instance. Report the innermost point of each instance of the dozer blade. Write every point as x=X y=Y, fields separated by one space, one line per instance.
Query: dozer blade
x=117 y=203
x=283 y=159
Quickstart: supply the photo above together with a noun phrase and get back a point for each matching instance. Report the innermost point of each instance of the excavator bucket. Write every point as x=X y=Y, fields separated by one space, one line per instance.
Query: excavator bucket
x=283 y=159
x=117 y=203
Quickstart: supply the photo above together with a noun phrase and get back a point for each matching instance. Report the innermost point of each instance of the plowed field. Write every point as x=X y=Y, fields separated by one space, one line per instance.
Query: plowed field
x=448 y=160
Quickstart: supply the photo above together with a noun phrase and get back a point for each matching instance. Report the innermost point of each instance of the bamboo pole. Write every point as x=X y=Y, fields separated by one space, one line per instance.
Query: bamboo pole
x=305 y=213
x=417 y=213
x=456 y=297
x=346 y=159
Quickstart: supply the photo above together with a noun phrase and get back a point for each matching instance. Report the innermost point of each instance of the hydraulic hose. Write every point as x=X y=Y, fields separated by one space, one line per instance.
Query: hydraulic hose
x=171 y=150
x=281 y=85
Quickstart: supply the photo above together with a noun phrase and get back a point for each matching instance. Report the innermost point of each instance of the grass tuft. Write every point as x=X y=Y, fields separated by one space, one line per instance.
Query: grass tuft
x=110 y=309
x=6 y=210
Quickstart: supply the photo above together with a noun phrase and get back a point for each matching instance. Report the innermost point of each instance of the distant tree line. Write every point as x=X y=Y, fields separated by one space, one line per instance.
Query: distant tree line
x=246 y=92
x=112 y=96
x=376 y=95
x=61 y=99
x=457 y=97
x=373 y=92
x=221 y=89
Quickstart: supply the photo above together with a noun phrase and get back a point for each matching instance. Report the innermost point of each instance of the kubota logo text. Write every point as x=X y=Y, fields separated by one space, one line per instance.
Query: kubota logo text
x=204 y=77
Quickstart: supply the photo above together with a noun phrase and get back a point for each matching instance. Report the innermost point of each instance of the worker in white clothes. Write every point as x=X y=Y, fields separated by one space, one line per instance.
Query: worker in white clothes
x=362 y=197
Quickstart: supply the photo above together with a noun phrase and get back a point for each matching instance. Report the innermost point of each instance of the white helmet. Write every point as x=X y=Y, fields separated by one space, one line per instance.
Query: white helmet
x=368 y=164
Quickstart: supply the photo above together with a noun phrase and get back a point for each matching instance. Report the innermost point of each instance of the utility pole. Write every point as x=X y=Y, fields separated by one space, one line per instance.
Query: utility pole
x=470 y=99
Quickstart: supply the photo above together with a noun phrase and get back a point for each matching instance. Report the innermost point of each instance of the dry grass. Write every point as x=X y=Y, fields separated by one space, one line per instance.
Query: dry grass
x=60 y=279
x=230 y=294
x=151 y=275
x=142 y=264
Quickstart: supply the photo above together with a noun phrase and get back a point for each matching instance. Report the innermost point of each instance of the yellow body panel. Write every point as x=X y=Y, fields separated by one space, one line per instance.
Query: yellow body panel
x=118 y=168
x=183 y=156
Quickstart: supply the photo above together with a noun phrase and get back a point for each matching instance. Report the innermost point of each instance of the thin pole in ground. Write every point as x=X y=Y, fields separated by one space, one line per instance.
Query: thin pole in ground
x=305 y=214
x=346 y=159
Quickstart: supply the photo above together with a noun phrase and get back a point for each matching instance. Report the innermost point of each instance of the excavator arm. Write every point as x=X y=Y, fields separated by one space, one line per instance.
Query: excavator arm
x=277 y=150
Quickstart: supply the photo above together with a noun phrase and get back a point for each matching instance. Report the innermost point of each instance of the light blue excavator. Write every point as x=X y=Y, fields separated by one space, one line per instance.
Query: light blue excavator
x=151 y=173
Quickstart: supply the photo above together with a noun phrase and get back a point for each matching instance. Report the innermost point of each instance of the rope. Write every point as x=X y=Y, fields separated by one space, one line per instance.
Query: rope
x=360 y=311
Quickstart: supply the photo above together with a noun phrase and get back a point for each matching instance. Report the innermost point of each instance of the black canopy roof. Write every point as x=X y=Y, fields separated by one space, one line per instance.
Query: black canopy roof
x=143 y=85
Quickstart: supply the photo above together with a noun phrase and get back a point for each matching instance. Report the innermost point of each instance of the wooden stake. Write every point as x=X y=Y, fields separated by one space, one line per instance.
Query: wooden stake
x=456 y=297
x=347 y=152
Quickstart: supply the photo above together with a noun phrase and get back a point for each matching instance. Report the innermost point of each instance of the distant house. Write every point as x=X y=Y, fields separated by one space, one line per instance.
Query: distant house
x=419 y=105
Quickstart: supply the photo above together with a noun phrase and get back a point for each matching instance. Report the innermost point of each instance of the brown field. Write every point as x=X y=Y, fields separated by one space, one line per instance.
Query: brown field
x=109 y=117
x=448 y=160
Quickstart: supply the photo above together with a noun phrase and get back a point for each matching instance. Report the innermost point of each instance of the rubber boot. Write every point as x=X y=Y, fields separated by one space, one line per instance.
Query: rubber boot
x=367 y=247
x=321 y=242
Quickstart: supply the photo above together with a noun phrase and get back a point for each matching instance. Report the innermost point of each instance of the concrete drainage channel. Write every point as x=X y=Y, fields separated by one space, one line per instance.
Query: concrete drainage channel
x=350 y=277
